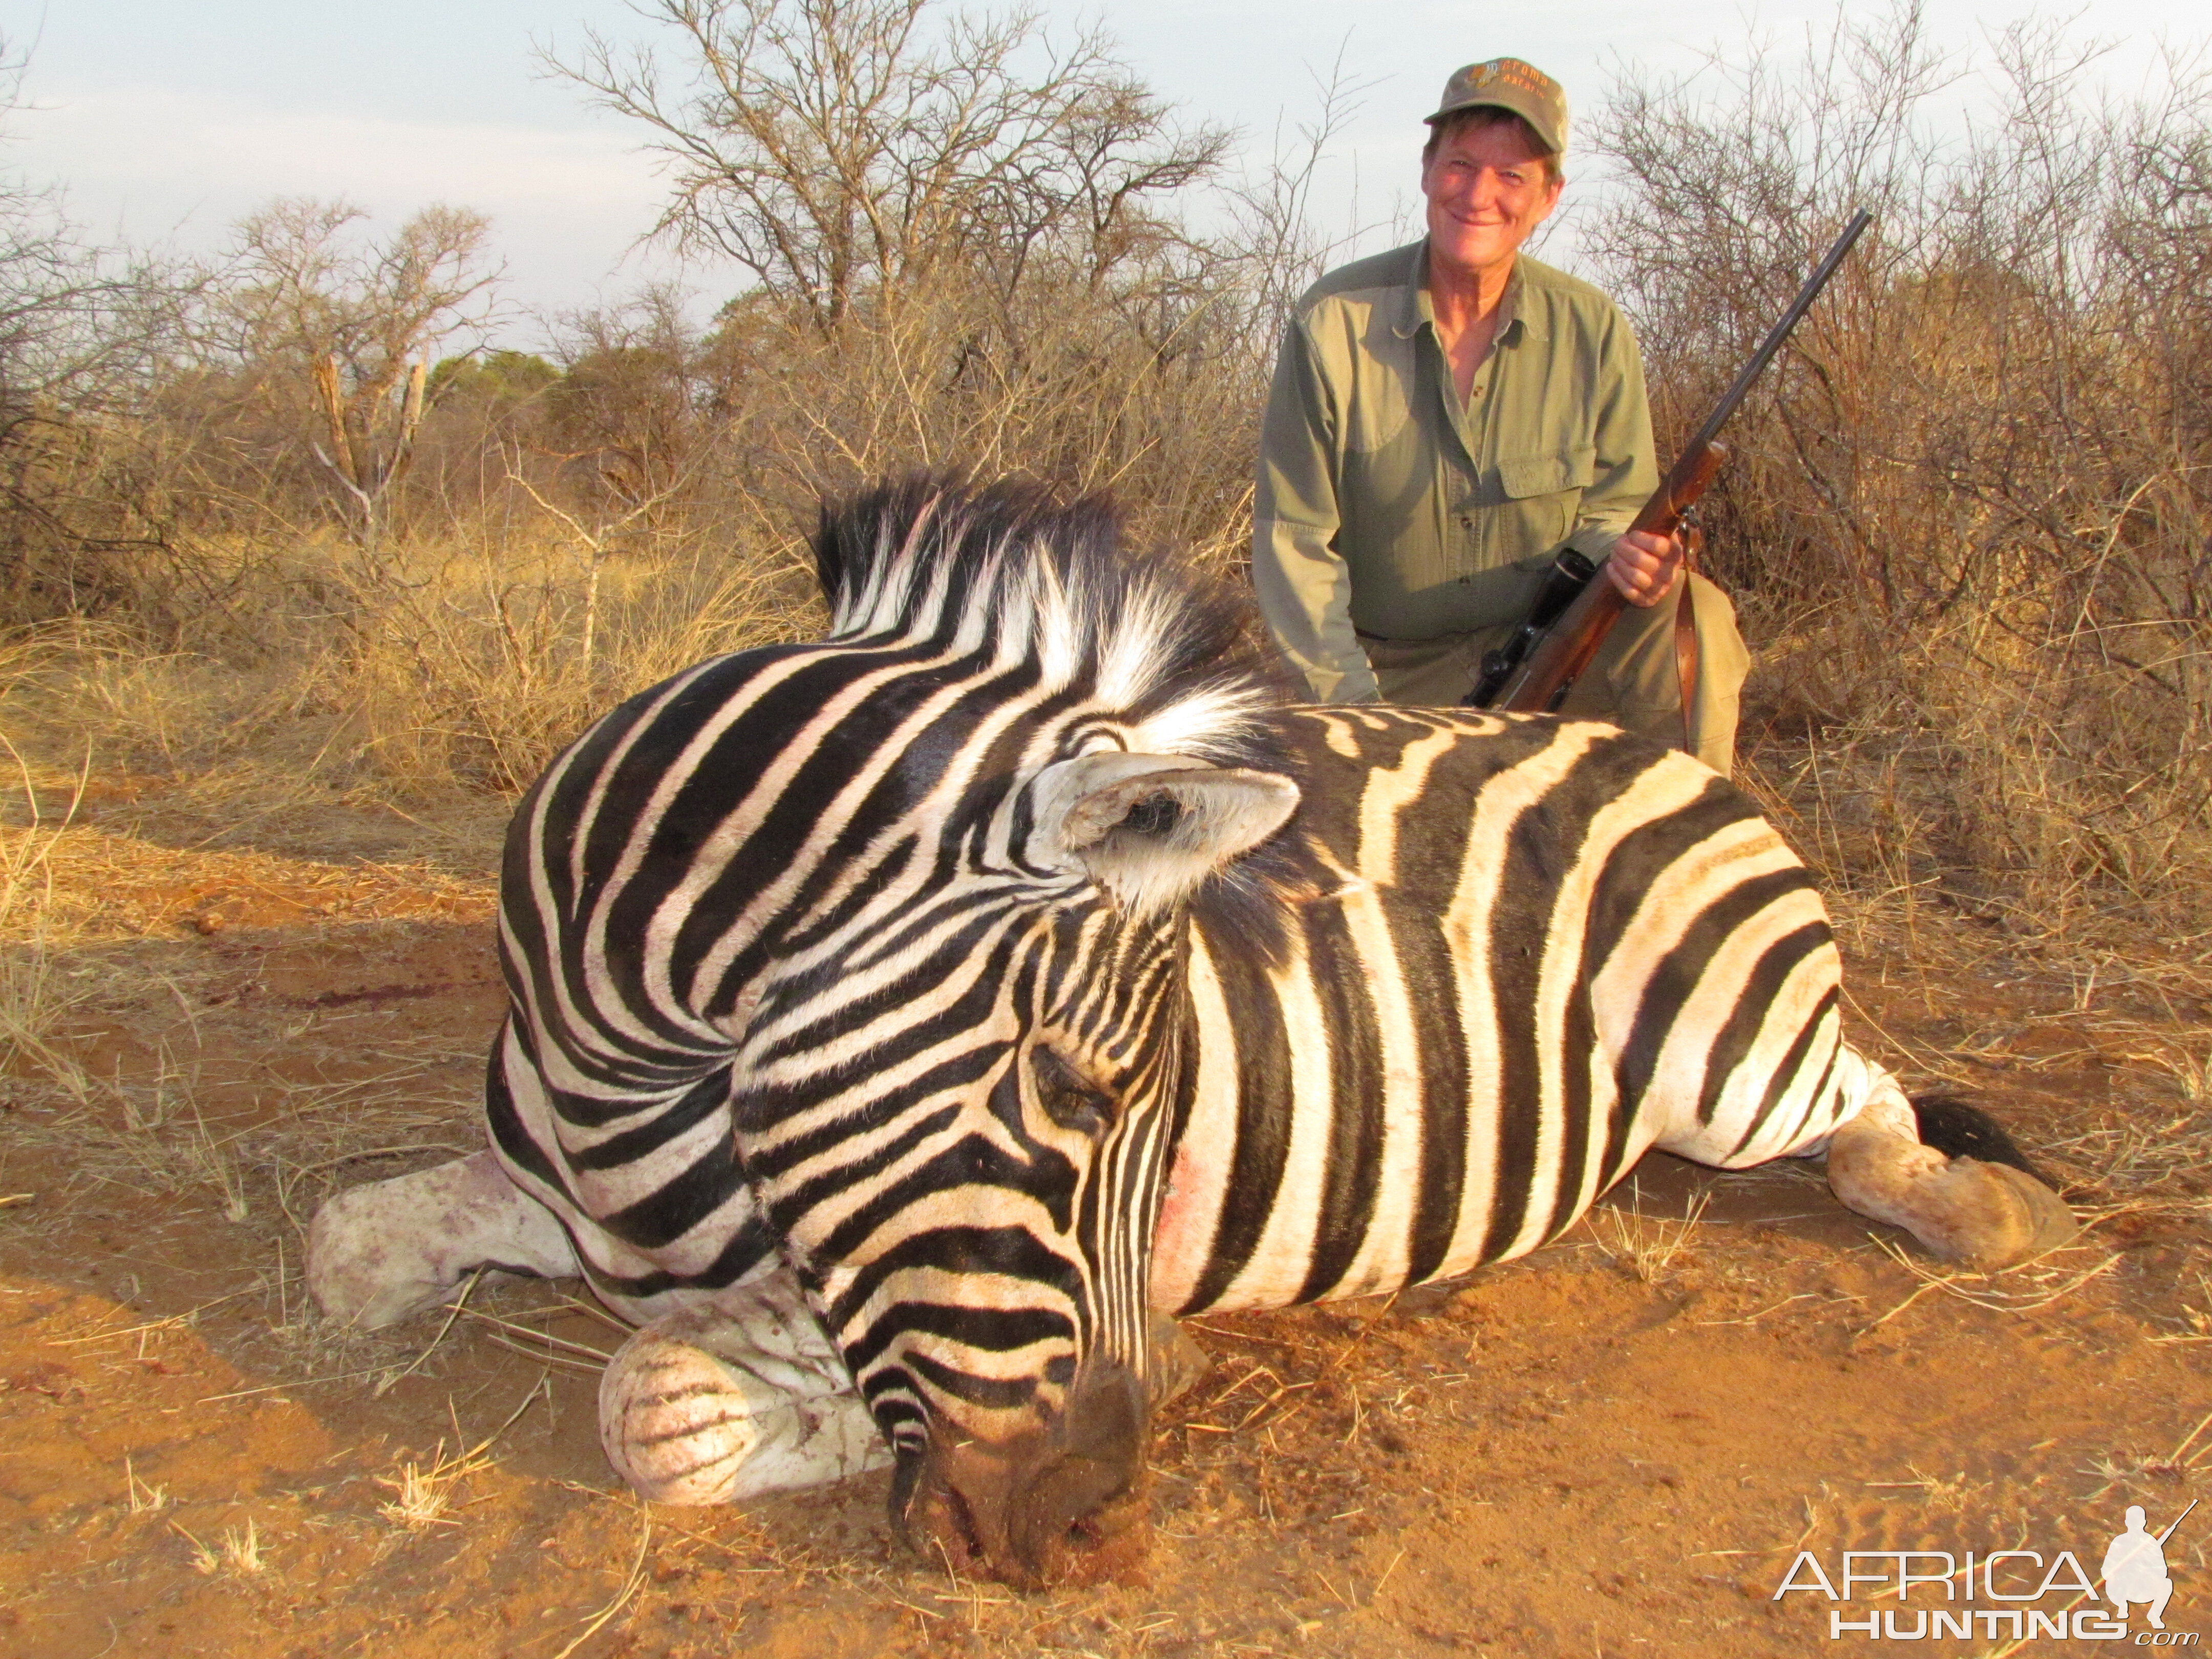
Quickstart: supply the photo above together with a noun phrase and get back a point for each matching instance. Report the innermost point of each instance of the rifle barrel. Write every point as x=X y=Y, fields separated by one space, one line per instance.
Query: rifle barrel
x=1775 y=336
x=1552 y=663
x=2177 y=1520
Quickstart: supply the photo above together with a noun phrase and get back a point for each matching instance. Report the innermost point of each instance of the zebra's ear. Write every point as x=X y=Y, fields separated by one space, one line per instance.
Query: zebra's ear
x=1149 y=828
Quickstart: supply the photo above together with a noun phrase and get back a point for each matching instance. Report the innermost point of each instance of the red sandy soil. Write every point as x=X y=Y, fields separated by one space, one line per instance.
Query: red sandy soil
x=1585 y=1453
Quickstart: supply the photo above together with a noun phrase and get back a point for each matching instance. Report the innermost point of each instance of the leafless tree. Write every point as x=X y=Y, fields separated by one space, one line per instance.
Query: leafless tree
x=347 y=327
x=637 y=398
x=843 y=148
x=1972 y=508
x=82 y=329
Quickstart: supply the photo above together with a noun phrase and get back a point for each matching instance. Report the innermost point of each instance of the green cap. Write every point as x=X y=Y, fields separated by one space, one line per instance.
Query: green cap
x=1508 y=83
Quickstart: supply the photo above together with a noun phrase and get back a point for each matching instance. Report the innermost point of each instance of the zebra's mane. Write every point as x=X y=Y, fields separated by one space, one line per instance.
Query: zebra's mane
x=1007 y=572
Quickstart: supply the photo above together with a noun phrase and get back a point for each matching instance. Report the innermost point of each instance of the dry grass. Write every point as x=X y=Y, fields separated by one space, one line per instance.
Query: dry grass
x=632 y=1583
x=145 y=1069
x=2142 y=1157
x=453 y=667
x=238 y=1551
x=33 y=1003
x=2157 y=1473
x=2192 y=1072
x=472 y=668
x=2026 y=1287
x=1939 y=1492
x=143 y=1498
x=554 y=1352
x=126 y=1047
x=34 y=1007
x=422 y=1493
x=204 y=1560
x=1965 y=512
x=1649 y=1247
x=242 y=1549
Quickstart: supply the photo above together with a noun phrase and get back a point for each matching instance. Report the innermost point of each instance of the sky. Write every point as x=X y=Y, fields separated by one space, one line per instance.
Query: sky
x=165 y=122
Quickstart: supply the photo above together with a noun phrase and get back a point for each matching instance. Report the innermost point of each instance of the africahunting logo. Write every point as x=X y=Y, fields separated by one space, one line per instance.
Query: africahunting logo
x=2020 y=1586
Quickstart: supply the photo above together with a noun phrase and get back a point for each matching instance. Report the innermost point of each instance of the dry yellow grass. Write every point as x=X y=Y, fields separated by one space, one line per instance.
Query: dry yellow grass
x=1648 y=1247
x=423 y=1494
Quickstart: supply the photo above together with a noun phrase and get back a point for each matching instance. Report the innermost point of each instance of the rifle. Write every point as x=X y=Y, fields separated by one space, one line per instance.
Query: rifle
x=1532 y=671
x=2177 y=1520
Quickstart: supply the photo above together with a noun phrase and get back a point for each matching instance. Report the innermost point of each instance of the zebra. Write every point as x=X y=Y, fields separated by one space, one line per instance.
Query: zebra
x=906 y=1028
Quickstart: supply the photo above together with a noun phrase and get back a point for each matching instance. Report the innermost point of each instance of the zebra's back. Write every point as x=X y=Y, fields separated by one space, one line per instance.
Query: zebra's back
x=1514 y=954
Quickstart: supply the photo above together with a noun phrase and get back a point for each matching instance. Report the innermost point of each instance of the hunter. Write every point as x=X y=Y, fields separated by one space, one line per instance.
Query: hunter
x=1443 y=417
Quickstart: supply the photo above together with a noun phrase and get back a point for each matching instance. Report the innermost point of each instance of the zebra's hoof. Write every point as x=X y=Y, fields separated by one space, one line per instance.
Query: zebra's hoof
x=379 y=1253
x=1987 y=1216
x=2005 y=1216
x=685 y=1425
x=362 y=1269
x=674 y=1421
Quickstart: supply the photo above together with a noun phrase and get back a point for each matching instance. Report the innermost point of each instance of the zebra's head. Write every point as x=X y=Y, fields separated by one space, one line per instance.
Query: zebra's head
x=1025 y=753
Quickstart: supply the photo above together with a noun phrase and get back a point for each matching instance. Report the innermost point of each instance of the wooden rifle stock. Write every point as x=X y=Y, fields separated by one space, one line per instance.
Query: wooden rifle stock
x=1555 y=664
x=1541 y=681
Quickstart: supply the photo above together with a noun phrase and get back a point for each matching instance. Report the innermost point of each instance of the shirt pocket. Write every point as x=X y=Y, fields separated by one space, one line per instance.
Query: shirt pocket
x=1546 y=491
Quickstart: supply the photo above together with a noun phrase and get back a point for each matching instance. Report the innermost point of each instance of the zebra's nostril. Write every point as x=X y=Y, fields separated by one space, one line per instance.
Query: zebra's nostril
x=940 y=1521
x=1064 y=1502
x=1080 y=1517
x=1106 y=1537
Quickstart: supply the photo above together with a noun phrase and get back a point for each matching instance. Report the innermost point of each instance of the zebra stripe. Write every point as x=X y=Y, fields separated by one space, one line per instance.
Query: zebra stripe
x=803 y=969
x=1628 y=956
x=789 y=902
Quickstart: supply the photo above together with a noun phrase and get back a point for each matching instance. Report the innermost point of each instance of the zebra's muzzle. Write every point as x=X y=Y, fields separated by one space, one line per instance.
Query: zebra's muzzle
x=1063 y=1504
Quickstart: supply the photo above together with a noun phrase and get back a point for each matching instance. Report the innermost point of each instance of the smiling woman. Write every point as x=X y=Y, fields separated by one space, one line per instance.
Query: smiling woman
x=1489 y=181
x=1448 y=421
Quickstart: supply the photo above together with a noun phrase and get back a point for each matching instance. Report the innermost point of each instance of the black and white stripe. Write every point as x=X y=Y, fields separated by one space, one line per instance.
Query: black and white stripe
x=1529 y=951
x=808 y=956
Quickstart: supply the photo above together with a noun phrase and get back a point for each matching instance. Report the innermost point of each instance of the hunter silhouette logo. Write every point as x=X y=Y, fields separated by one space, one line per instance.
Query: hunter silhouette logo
x=2135 y=1566
x=2047 y=1596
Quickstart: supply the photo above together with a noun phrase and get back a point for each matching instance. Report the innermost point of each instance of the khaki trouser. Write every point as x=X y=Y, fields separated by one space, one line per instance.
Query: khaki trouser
x=1633 y=682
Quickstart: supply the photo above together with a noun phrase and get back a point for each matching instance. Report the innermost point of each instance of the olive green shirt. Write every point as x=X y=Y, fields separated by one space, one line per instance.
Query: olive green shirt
x=1386 y=508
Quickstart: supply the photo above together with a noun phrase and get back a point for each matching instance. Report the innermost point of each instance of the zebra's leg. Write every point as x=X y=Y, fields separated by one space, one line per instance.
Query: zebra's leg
x=377 y=1253
x=729 y=1399
x=1985 y=1214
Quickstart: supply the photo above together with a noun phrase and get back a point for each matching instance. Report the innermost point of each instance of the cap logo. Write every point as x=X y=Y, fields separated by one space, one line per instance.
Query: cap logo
x=1511 y=84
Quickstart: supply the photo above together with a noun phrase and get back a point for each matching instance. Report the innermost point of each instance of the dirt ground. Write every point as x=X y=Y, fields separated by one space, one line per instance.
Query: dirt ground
x=1618 y=1445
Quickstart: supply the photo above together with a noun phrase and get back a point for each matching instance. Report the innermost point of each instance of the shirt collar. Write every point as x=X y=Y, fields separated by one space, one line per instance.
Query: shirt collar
x=1416 y=311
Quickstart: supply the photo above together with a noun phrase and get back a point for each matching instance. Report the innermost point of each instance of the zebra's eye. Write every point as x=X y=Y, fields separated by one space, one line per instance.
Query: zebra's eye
x=1069 y=1099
